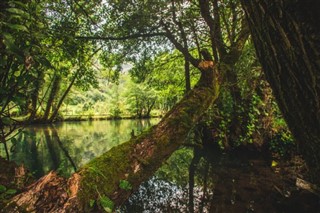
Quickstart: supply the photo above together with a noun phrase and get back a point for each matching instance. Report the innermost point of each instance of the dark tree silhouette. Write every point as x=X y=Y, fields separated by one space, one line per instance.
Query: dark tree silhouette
x=286 y=34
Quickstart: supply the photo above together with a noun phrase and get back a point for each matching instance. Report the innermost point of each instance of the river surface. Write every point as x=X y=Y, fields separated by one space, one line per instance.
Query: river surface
x=191 y=180
x=66 y=146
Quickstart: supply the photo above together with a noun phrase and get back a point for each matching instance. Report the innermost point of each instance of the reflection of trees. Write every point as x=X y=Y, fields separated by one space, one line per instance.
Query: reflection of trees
x=63 y=149
x=202 y=180
x=26 y=151
x=192 y=168
x=51 y=149
x=183 y=184
x=66 y=146
x=59 y=157
x=41 y=150
x=200 y=167
x=35 y=162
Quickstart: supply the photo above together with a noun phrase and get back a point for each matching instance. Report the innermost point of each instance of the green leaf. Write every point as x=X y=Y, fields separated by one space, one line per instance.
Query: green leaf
x=11 y=192
x=106 y=203
x=6 y=121
x=8 y=40
x=45 y=62
x=91 y=202
x=124 y=184
x=18 y=27
x=17 y=11
x=14 y=140
x=23 y=5
x=2 y=188
x=17 y=73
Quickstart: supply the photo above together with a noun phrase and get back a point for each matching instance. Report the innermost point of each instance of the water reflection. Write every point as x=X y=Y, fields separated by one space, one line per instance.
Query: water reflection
x=191 y=180
x=181 y=185
x=195 y=180
x=64 y=147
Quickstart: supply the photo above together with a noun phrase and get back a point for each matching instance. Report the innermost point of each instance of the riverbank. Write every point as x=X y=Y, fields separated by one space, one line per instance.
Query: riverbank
x=102 y=117
x=23 y=121
x=233 y=182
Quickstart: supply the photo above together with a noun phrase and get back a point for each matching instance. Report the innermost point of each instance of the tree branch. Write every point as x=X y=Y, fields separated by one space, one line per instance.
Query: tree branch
x=85 y=12
x=195 y=62
x=112 y=38
x=205 y=13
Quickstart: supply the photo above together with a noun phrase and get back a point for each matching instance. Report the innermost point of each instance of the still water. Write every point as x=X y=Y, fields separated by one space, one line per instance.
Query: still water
x=66 y=146
x=191 y=180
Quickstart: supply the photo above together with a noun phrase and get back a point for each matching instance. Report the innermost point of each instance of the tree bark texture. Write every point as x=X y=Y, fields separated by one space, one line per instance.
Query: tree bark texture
x=286 y=35
x=132 y=162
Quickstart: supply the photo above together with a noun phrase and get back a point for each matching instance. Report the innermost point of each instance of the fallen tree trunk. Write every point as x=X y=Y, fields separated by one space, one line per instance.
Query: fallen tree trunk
x=107 y=181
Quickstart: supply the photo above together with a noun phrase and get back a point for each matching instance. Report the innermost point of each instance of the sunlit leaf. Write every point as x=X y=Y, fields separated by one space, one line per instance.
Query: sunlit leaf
x=106 y=203
x=8 y=40
x=124 y=184
x=45 y=62
x=23 y=5
x=11 y=191
x=17 y=11
x=274 y=163
x=91 y=202
x=18 y=27
x=17 y=73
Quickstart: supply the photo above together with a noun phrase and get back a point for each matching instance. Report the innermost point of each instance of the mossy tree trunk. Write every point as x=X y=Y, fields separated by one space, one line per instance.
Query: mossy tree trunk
x=117 y=173
x=286 y=35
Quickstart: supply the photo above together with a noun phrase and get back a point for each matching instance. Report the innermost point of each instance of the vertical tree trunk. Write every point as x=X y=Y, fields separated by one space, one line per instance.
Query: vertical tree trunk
x=52 y=96
x=149 y=107
x=35 y=94
x=56 y=110
x=286 y=35
x=187 y=74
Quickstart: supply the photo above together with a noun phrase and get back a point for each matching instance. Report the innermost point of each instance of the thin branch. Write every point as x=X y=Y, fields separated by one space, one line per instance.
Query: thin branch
x=111 y=38
x=180 y=47
x=235 y=18
x=205 y=13
x=85 y=12
x=242 y=37
x=193 y=28
x=217 y=29
x=227 y=25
